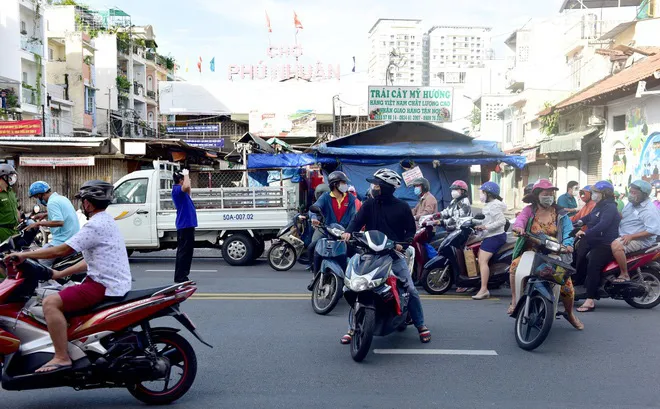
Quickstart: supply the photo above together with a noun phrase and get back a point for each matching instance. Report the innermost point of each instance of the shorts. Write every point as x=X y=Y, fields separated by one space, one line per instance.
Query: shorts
x=634 y=246
x=494 y=243
x=80 y=297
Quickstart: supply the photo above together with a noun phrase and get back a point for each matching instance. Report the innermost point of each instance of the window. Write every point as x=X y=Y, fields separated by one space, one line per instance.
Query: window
x=25 y=77
x=23 y=28
x=50 y=54
x=509 y=130
x=90 y=96
x=132 y=191
x=618 y=123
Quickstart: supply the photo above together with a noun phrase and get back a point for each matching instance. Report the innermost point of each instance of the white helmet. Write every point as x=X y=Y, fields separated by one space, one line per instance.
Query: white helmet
x=386 y=176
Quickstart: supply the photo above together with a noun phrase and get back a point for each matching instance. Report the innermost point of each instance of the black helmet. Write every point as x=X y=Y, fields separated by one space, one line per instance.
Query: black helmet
x=336 y=177
x=528 y=189
x=96 y=191
x=426 y=186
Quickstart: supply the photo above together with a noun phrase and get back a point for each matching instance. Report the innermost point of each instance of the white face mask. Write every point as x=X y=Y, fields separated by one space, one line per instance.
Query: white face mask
x=596 y=196
x=546 y=201
x=455 y=194
x=13 y=178
x=343 y=188
x=576 y=191
x=483 y=197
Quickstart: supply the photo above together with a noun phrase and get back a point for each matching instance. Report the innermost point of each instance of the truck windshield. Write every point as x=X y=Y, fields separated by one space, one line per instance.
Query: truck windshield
x=132 y=191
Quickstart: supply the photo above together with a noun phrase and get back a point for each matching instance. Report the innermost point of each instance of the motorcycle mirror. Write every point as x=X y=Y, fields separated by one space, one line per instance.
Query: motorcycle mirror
x=578 y=223
x=315 y=209
x=480 y=216
x=36 y=209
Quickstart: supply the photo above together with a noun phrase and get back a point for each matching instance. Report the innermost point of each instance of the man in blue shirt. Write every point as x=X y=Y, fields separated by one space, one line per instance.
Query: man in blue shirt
x=567 y=200
x=639 y=226
x=62 y=218
x=186 y=221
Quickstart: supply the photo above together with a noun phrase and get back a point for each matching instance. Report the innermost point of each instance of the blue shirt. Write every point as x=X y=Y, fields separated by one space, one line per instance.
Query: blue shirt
x=567 y=201
x=602 y=223
x=60 y=209
x=640 y=218
x=186 y=215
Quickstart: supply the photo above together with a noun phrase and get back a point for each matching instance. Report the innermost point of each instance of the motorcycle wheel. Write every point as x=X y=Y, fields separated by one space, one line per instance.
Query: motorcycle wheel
x=365 y=323
x=326 y=293
x=438 y=281
x=531 y=331
x=650 y=278
x=182 y=358
x=281 y=256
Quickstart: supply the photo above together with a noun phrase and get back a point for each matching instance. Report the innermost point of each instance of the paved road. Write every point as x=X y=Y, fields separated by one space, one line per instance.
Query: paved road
x=272 y=351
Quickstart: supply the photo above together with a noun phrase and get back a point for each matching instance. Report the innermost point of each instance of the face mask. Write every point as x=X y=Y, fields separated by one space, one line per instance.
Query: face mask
x=13 y=178
x=483 y=197
x=455 y=194
x=596 y=197
x=375 y=192
x=576 y=192
x=633 y=199
x=546 y=201
x=343 y=188
x=418 y=191
x=42 y=202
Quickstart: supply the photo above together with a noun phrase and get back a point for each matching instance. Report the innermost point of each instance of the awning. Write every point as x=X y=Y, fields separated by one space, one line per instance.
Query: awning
x=571 y=142
x=77 y=142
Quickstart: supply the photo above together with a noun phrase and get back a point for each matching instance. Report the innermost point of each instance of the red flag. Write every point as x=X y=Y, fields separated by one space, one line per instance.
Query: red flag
x=297 y=22
x=270 y=30
x=199 y=64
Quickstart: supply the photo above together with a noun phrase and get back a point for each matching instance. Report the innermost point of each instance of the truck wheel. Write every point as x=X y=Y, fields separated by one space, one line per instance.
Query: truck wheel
x=238 y=250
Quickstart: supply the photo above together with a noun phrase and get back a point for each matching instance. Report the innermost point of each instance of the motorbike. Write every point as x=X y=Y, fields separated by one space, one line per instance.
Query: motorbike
x=539 y=276
x=425 y=244
x=643 y=289
x=112 y=345
x=328 y=266
x=450 y=267
x=379 y=300
x=290 y=244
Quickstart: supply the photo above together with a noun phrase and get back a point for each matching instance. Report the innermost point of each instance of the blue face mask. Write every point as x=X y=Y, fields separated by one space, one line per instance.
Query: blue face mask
x=42 y=202
x=418 y=191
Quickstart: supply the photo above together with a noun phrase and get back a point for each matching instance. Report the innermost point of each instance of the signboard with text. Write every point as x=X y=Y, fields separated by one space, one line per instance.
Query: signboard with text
x=268 y=125
x=410 y=175
x=191 y=129
x=217 y=143
x=411 y=104
x=56 y=161
x=20 y=128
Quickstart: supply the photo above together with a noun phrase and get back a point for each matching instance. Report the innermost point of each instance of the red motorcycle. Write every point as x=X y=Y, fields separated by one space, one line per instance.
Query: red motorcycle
x=643 y=289
x=112 y=345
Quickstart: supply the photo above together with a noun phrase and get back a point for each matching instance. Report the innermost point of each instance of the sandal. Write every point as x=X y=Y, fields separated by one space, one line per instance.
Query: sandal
x=511 y=309
x=424 y=334
x=461 y=290
x=620 y=279
x=575 y=322
x=346 y=339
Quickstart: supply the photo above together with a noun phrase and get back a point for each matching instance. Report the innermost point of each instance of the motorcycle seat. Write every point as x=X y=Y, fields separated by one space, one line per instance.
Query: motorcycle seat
x=110 y=302
x=638 y=253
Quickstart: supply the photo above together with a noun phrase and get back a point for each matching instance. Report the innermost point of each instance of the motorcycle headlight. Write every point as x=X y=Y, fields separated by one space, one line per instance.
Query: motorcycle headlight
x=358 y=284
x=552 y=245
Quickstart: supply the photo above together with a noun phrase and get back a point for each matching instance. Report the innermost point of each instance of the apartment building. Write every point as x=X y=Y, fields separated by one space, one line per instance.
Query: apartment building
x=396 y=52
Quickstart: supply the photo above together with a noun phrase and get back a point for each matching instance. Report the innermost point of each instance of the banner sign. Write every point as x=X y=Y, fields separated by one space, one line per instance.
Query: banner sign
x=29 y=127
x=188 y=129
x=410 y=175
x=530 y=155
x=206 y=143
x=268 y=125
x=56 y=161
x=410 y=104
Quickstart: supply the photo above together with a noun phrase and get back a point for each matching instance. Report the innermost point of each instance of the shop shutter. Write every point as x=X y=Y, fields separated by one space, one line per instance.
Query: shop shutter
x=594 y=164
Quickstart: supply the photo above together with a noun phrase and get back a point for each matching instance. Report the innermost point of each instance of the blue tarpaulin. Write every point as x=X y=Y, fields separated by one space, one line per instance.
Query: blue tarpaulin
x=284 y=160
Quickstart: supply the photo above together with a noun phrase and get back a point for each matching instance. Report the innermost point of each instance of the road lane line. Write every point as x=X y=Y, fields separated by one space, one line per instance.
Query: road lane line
x=474 y=352
x=171 y=271
x=308 y=295
x=252 y=298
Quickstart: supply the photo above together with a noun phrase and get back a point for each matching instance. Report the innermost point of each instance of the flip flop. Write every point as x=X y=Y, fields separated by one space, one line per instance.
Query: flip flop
x=461 y=290
x=621 y=280
x=586 y=309
x=56 y=368
x=346 y=339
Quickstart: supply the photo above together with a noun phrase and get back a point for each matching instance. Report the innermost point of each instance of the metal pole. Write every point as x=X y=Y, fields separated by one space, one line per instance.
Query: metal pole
x=334 y=118
x=109 y=105
x=43 y=117
x=340 y=128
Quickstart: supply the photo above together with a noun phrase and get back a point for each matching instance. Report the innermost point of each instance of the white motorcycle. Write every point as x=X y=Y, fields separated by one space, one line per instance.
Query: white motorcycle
x=539 y=278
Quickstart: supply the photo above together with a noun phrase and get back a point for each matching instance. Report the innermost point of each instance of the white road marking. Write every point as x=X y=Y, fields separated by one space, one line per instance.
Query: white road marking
x=171 y=271
x=487 y=352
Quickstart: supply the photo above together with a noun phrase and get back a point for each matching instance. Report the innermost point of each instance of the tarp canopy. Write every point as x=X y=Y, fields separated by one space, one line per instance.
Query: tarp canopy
x=284 y=160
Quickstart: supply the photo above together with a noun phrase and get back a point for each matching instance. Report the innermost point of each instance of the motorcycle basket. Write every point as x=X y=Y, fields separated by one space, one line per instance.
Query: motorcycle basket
x=550 y=269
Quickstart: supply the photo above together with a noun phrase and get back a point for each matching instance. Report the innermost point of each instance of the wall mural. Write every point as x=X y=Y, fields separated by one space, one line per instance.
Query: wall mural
x=627 y=163
x=649 y=159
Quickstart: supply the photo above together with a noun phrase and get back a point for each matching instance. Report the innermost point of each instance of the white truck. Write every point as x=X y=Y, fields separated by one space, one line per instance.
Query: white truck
x=237 y=219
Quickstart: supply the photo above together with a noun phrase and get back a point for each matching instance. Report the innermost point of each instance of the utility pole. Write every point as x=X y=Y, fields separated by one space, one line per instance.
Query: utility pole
x=334 y=118
x=340 y=128
x=43 y=118
x=109 y=105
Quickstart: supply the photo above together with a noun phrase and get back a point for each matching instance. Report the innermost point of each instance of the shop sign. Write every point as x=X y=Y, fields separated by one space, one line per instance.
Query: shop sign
x=410 y=104
x=530 y=155
x=217 y=143
x=188 y=129
x=410 y=175
x=56 y=161
x=20 y=128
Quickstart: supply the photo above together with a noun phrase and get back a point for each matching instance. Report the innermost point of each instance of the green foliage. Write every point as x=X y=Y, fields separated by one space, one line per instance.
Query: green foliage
x=123 y=85
x=475 y=117
x=550 y=122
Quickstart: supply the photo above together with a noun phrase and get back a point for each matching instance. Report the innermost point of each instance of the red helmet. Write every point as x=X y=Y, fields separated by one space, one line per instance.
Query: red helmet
x=459 y=184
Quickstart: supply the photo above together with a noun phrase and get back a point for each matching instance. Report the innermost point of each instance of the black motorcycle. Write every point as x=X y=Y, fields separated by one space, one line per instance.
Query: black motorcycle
x=378 y=298
x=449 y=267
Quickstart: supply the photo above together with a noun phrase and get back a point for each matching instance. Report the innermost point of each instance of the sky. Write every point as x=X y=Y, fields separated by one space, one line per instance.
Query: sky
x=234 y=32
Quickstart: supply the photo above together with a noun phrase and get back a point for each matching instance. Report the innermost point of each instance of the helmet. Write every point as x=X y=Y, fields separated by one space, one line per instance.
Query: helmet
x=642 y=185
x=586 y=189
x=528 y=189
x=459 y=184
x=491 y=187
x=426 y=186
x=38 y=188
x=543 y=184
x=6 y=169
x=603 y=186
x=320 y=189
x=96 y=191
x=656 y=184
x=387 y=177
x=336 y=177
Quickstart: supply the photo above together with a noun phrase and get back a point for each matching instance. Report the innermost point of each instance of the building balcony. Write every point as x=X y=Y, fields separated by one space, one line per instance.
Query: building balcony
x=32 y=45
